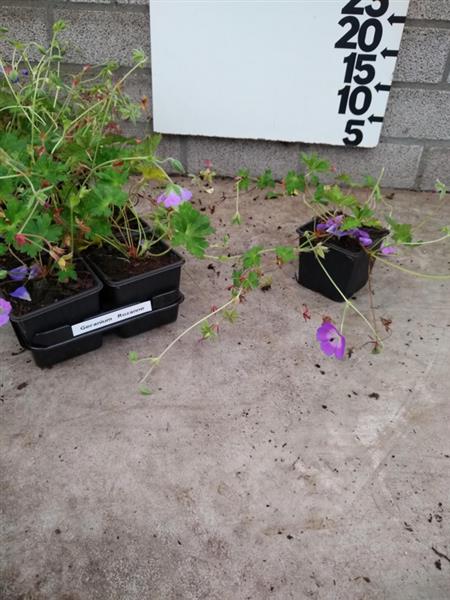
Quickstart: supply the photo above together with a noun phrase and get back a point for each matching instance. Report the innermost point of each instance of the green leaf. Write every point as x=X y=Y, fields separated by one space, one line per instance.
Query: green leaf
x=285 y=253
x=230 y=315
x=319 y=250
x=43 y=226
x=208 y=331
x=191 y=229
x=3 y=274
x=176 y=164
x=345 y=179
x=145 y=391
x=58 y=26
x=350 y=223
x=314 y=163
x=441 y=188
x=133 y=356
x=67 y=273
x=252 y=258
x=243 y=180
x=294 y=183
x=401 y=232
x=265 y=180
x=252 y=280
x=139 y=57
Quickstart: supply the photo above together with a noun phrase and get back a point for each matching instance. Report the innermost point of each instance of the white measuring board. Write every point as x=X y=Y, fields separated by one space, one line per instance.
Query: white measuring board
x=314 y=71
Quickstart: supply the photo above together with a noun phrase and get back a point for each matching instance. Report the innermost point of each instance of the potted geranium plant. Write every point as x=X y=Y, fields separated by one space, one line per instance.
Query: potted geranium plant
x=64 y=168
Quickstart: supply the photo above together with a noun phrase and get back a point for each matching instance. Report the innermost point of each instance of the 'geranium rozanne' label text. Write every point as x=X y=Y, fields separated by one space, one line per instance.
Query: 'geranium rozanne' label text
x=110 y=318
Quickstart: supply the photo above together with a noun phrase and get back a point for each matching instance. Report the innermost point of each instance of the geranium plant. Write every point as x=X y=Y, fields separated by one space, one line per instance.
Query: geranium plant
x=65 y=164
x=339 y=220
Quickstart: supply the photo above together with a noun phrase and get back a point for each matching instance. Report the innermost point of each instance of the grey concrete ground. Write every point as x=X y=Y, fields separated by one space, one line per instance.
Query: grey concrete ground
x=258 y=469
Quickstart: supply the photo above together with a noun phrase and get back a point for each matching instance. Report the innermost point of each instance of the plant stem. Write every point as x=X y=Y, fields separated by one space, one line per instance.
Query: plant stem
x=158 y=359
x=415 y=273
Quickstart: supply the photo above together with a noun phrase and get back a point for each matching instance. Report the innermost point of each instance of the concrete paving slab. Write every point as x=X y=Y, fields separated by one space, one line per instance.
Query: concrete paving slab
x=258 y=469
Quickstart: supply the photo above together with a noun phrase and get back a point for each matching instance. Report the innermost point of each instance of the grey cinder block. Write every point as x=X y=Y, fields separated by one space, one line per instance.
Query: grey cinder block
x=100 y=36
x=436 y=165
x=24 y=25
x=429 y=9
x=230 y=155
x=423 y=55
x=417 y=113
x=400 y=161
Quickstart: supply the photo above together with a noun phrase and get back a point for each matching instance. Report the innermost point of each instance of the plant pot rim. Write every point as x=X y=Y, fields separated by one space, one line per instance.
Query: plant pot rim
x=330 y=243
x=96 y=288
x=134 y=278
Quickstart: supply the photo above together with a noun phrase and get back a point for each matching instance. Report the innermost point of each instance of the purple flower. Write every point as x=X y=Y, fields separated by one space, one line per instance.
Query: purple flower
x=363 y=237
x=24 y=72
x=331 y=341
x=388 y=250
x=18 y=273
x=21 y=293
x=174 y=197
x=332 y=226
x=35 y=271
x=5 y=309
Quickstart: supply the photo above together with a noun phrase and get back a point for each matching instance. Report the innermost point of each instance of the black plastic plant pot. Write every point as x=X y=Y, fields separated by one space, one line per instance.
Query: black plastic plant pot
x=138 y=288
x=63 y=312
x=60 y=344
x=349 y=269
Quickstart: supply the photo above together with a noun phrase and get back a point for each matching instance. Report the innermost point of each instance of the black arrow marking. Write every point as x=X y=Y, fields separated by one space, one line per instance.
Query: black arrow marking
x=396 y=19
x=382 y=88
x=374 y=119
x=385 y=53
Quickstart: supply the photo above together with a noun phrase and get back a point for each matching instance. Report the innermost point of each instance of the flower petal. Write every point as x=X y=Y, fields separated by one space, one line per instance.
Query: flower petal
x=5 y=309
x=186 y=194
x=21 y=293
x=388 y=250
x=340 y=347
x=328 y=348
x=325 y=331
x=18 y=273
x=35 y=271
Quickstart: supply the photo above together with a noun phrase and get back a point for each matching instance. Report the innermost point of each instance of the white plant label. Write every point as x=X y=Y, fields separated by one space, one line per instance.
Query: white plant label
x=316 y=71
x=113 y=317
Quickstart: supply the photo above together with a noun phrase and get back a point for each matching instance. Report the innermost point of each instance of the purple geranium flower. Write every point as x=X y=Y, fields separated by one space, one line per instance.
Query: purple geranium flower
x=174 y=196
x=21 y=293
x=331 y=341
x=362 y=236
x=18 y=273
x=332 y=226
x=35 y=271
x=5 y=309
x=388 y=250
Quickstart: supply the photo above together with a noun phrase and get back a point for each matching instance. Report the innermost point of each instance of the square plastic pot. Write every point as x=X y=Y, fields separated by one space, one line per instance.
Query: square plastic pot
x=348 y=269
x=64 y=312
x=138 y=287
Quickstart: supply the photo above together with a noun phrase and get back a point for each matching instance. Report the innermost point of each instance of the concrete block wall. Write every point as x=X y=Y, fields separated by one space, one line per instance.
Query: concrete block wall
x=415 y=146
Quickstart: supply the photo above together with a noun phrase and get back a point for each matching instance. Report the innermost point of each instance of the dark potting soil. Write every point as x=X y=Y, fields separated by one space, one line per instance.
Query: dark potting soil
x=117 y=267
x=44 y=292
